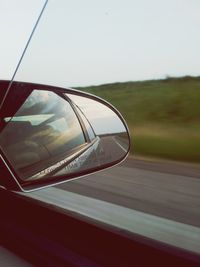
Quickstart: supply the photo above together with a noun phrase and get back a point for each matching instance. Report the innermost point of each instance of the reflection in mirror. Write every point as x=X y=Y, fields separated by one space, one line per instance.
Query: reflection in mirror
x=37 y=131
x=108 y=126
x=48 y=136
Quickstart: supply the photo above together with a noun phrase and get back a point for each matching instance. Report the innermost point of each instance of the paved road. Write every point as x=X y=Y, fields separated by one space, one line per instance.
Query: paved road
x=168 y=190
x=151 y=199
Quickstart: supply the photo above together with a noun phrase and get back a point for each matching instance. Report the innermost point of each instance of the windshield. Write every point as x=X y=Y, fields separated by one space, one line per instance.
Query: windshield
x=143 y=57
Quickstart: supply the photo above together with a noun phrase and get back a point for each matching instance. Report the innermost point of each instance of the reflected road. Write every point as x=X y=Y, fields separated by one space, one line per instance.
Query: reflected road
x=113 y=148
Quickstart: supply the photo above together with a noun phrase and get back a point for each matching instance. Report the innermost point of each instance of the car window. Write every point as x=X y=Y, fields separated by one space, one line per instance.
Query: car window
x=40 y=130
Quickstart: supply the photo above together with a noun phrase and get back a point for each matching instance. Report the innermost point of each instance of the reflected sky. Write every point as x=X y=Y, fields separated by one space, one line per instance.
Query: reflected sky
x=102 y=118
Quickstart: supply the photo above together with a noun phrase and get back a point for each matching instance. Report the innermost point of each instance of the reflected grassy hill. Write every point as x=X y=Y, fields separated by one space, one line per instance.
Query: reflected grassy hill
x=163 y=115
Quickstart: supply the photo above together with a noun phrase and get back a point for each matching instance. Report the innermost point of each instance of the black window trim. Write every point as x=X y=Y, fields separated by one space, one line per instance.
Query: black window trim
x=87 y=138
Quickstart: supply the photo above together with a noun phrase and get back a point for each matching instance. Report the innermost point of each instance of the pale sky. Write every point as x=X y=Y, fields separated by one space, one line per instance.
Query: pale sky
x=91 y=42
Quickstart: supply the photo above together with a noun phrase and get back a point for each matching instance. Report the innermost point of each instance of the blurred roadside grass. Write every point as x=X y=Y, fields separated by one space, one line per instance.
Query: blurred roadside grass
x=163 y=116
x=170 y=142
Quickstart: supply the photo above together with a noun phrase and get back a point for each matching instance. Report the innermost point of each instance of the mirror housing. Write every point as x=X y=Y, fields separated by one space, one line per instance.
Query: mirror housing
x=50 y=135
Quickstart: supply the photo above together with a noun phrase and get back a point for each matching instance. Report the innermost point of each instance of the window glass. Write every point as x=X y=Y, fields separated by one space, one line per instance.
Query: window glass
x=39 y=130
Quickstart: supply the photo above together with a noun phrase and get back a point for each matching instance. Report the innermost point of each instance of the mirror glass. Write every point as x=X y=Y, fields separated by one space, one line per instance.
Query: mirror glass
x=39 y=129
x=107 y=126
x=52 y=136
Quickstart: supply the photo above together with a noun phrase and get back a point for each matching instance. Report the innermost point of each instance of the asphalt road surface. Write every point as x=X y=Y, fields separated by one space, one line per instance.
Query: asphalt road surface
x=165 y=189
x=156 y=200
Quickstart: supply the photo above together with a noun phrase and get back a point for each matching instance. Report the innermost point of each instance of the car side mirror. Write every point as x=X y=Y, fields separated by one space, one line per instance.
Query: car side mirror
x=50 y=135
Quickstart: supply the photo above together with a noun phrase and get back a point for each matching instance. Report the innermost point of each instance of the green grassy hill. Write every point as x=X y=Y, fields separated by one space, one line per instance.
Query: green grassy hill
x=163 y=115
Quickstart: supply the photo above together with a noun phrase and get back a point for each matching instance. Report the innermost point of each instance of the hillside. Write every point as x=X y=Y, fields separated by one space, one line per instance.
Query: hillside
x=163 y=115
